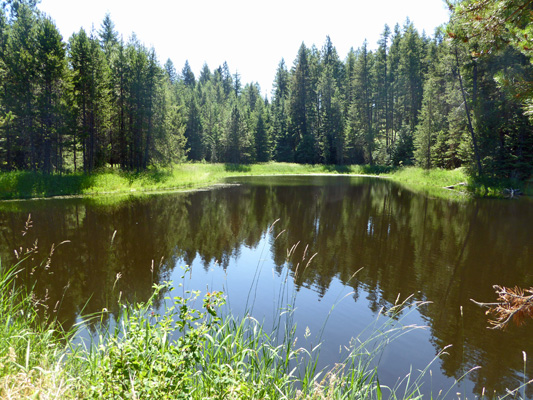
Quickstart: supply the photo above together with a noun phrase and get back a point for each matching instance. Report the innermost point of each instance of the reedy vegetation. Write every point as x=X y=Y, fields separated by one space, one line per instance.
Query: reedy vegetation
x=27 y=184
x=99 y=100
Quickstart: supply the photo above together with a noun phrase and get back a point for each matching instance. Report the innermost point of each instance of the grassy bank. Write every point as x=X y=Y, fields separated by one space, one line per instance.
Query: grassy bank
x=24 y=184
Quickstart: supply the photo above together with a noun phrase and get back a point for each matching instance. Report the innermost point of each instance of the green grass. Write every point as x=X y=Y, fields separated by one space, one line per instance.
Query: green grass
x=435 y=181
x=31 y=348
x=213 y=358
x=438 y=178
x=25 y=184
x=186 y=351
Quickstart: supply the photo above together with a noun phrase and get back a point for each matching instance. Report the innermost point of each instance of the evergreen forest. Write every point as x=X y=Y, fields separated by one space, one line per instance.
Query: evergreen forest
x=462 y=97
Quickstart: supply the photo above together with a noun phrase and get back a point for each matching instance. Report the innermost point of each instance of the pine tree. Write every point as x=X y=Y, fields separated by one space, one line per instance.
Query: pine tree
x=428 y=127
x=332 y=132
x=193 y=130
x=51 y=58
x=21 y=71
x=237 y=84
x=329 y=110
x=261 y=137
x=118 y=84
x=5 y=115
x=330 y=58
x=406 y=54
x=394 y=116
x=280 y=120
x=302 y=142
x=227 y=80
x=187 y=75
x=235 y=136
x=108 y=35
x=381 y=115
x=205 y=74
x=212 y=116
x=152 y=82
x=169 y=126
x=434 y=143
x=88 y=64
x=170 y=71
x=361 y=113
x=410 y=73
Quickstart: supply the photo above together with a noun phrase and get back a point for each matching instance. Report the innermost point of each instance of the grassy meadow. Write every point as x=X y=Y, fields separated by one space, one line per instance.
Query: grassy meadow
x=25 y=185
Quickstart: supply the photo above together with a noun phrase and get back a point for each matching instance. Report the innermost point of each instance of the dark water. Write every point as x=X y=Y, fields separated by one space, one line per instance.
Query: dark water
x=404 y=243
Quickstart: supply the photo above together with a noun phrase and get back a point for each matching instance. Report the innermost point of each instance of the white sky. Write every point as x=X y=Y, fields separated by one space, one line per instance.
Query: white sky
x=252 y=36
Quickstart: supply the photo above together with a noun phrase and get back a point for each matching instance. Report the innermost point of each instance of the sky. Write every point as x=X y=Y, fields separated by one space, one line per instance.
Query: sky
x=251 y=36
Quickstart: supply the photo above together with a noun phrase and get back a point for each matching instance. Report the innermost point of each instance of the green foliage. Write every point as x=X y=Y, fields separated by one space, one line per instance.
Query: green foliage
x=283 y=151
x=89 y=92
x=15 y=185
x=151 y=355
x=402 y=152
x=431 y=124
x=493 y=24
x=495 y=32
x=187 y=75
x=236 y=140
x=361 y=114
x=181 y=353
x=301 y=138
x=193 y=130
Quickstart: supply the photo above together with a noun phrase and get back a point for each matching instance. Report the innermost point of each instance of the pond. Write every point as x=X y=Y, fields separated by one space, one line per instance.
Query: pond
x=357 y=246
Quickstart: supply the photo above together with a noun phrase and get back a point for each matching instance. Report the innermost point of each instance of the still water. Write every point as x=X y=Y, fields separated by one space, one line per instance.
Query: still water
x=401 y=244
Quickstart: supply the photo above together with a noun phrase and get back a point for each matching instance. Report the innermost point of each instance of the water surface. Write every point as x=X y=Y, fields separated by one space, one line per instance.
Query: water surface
x=401 y=243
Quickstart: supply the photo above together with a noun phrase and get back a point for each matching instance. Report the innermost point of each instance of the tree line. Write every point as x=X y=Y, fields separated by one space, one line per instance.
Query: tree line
x=98 y=100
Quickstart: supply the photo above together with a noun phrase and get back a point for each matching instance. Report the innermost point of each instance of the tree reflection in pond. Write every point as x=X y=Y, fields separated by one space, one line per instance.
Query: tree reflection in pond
x=405 y=243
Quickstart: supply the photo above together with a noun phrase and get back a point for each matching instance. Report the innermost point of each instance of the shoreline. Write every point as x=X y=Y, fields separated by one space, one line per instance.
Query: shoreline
x=201 y=187
x=27 y=186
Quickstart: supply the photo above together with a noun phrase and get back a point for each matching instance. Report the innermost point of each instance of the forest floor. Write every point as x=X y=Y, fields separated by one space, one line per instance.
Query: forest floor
x=437 y=182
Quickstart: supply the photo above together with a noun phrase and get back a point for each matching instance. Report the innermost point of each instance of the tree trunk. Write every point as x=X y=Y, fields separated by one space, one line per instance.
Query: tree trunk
x=470 y=127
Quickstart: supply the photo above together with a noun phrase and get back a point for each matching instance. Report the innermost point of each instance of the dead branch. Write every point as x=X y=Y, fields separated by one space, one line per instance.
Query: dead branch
x=513 y=304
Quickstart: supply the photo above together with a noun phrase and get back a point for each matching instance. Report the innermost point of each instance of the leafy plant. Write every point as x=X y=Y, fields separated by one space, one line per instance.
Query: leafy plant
x=142 y=358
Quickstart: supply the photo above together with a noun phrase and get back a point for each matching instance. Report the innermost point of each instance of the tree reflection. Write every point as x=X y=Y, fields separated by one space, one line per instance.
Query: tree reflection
x=441 y=251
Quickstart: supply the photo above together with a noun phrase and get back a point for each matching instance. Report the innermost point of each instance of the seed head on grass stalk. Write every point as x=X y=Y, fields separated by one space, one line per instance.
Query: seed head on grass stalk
x=34 y=346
